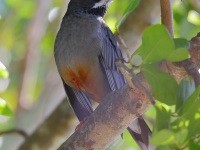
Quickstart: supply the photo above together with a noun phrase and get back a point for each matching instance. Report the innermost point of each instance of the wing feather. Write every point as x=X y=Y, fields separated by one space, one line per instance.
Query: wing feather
x=110 y=52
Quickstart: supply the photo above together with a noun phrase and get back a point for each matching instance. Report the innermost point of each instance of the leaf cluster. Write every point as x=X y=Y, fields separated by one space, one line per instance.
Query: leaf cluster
x=178 y=106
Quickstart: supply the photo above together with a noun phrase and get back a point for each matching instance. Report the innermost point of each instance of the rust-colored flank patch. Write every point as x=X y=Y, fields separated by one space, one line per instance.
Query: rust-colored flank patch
x=77 y=76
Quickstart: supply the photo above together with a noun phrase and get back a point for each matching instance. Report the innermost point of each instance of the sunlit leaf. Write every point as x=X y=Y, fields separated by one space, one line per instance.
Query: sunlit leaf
x=3 y=71
x=193 y=117
x=163 y=86
x=4 y=108
x=156 y=44
x=163 y=137
x=162 y=111
x=132 y=6
x=181 y=136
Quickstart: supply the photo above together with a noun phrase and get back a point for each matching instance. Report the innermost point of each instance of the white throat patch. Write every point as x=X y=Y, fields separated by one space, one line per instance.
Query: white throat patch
x=102 y=2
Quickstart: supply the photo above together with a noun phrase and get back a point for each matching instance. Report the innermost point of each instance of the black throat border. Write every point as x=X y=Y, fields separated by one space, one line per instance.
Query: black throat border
x=99 y=11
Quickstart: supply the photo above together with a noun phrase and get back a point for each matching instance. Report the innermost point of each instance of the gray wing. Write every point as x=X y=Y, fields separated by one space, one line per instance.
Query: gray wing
x=79 y=101
x=110 y=52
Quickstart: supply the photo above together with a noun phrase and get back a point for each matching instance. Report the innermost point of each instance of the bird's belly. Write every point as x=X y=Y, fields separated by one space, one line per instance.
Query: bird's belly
x=88 y=79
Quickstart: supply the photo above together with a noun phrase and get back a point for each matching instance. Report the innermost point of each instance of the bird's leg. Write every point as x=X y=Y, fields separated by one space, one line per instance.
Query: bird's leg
x=81 y=123
x=129 y=72
x=122 y=42
x=120 y=65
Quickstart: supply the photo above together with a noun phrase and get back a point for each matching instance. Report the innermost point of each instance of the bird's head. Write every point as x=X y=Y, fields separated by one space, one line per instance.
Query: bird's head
x=93 y=6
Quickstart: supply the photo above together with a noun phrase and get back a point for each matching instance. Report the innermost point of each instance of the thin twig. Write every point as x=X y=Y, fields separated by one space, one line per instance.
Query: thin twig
x=167 y=15
x=167 y=19
x=123 y=43
x=18 y=131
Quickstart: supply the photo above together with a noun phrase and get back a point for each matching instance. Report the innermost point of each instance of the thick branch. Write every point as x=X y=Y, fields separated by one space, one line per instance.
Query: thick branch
x=110 y=119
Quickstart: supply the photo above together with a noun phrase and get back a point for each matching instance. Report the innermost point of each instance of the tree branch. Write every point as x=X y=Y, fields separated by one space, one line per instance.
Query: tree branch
x=190 y=67
x=167 y=15
x=167 y=19
x=110 y=119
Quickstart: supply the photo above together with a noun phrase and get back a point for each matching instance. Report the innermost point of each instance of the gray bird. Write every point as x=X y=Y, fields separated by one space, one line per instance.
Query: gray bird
x=85 y=53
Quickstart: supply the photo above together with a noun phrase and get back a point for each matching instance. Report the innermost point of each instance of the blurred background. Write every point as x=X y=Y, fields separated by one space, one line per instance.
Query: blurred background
x=32 y=99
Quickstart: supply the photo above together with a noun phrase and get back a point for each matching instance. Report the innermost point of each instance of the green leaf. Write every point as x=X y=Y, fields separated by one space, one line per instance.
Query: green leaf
x=191 y=100
x=163 y=137
x=181 y=136
x=186 y=88
x=194 y=120
x=162 y=111
x=181 y=43
x=3 y=71
x=194 y=145
x=163 y=147
x=192 y=117
x=136 y=60
x=132 y=6
x=178 y=55
x=190 y=114
x=163 y=86
x=4 y=108
x=156 y=44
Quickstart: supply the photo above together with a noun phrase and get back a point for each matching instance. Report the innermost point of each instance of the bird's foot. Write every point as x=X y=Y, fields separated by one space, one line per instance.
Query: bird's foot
x=81 y=123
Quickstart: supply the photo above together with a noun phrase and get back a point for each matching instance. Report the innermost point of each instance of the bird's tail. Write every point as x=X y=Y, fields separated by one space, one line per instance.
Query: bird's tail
x=141 y=133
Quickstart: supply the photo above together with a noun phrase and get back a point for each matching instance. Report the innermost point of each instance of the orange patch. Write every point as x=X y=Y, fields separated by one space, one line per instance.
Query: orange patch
x=78 y=76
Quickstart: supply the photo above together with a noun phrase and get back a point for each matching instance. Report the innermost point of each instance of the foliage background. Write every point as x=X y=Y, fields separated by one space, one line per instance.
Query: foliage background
x=27 y=33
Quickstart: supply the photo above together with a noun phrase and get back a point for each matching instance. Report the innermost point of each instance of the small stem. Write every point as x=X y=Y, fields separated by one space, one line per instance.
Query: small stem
x=167 y=15
x=20 y=132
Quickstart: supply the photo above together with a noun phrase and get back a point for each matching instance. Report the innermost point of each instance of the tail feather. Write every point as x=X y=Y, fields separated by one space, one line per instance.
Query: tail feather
x=141 y=134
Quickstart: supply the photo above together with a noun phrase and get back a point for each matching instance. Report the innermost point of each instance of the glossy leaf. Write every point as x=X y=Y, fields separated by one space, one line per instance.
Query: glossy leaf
x=163 y=86
x=156 y=44
x=178 y=55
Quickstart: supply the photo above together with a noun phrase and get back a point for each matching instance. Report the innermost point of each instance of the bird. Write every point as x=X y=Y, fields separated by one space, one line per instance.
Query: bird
x=85 y=52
